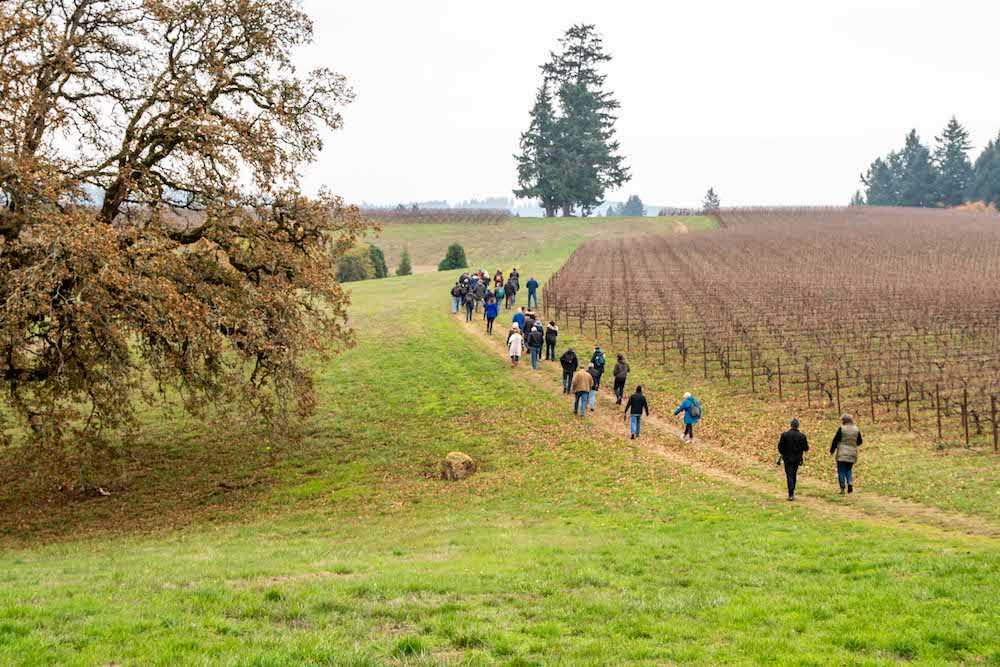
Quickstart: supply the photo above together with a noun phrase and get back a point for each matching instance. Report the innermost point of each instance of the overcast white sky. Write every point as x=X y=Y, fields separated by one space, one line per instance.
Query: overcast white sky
x=770 y=102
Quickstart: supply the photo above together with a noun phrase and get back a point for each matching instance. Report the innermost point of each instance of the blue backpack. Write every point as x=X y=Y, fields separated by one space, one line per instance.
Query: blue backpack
x=695 y=411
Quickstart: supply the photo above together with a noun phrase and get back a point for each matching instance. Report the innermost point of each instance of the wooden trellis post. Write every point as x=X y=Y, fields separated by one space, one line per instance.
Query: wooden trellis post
x=937 y=409
x=836 y=375
x=808 y=391
x=909 y=416
x=781 y=396
x=965 y=413
x=753 y=380
x=993 y=420
x=704 y=355
x=871 y=397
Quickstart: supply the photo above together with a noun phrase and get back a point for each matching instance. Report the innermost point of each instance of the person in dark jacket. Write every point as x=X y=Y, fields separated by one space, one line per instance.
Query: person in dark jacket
x=845 y=446
x=519 y=319
x=456 y=297
x=596 y=374
x=620 y=373
x=597 y=361
x=791 y=446
x=637 y=404
x=508 y=292
x=534 y=342
x=470 y=304
x=532 y=286
x=529 y=322
x=551 y=333
x=569 y=364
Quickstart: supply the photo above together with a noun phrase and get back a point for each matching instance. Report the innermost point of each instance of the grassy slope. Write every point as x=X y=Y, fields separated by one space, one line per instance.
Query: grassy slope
x=568 y=545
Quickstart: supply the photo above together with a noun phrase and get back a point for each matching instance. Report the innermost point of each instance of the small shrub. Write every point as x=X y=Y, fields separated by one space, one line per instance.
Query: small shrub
x=404 y=268
x=274 y=595
x=454 y=259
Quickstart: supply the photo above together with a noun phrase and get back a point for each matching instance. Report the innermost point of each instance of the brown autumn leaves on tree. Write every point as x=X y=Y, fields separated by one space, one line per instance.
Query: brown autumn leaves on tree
x=153 y=239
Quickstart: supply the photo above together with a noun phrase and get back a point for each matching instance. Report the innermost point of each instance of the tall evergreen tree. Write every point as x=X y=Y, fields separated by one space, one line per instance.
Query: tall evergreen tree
x=569 y=154
x=882 y=181
x=711 y=202
x=951 y=160
x=405 y=268
x=537 y=168
x=917 y=175
x=985 y=186
x=378 y=262
x=633 y=207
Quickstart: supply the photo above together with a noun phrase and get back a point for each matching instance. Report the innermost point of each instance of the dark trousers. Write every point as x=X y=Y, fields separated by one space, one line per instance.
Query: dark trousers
x=489 y=325
x=845 y=473
x=468 y=311
x=550 y=351
x=619 y=390
x=567 y=381
x=689 y=431
x=791 y=474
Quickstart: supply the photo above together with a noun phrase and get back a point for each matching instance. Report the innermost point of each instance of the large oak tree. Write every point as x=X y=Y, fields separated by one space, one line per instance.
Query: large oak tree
x=153 y=238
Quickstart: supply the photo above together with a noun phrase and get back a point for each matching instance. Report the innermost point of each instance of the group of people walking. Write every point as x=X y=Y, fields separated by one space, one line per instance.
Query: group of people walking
x=529 y=336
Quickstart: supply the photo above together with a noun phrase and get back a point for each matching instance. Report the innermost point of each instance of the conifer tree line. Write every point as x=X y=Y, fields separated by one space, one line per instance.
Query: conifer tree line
x=569 y=155
x=915 y=175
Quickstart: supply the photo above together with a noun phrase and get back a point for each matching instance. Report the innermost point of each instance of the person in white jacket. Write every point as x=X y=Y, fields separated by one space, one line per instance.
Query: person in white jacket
x=515 y=345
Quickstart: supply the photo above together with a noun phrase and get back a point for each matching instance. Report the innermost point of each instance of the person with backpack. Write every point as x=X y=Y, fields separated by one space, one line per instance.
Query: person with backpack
x=634 y=408
x=569 y=364
x=597 y=361
x=532 y=286
x=551 y=333
x=594 y=373
x=535 y=341
x=470 y=304
x=620 y=373
x=691 y=407
x=456 y=297
x=515 y=345
x=583 y=384
x=519 y=319
x=529 y=321
x=491 y=310
x=791 y=446
x=845 y=446
x=499 y=294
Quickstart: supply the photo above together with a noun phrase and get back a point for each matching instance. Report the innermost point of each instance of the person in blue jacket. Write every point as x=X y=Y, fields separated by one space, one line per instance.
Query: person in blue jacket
x=518 y=319
x=691 y=407
x=532 y=286
x=492 y=309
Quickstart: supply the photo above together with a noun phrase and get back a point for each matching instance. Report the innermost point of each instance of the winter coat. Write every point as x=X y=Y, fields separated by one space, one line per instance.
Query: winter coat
x=492 y=310
x=792 y=444
x=480 y=291
x=532 y=286
x=621 y=370
x=499 y=293
x=518 y=319
x=599 y=366
x=515 y=345
x=569 y=361
x=846 y=443
x=685 y=407
x=551 y=333
x=637 y=404
x=535 y=340
x=509 y=289
x=596 y=374
x=582 y=381
x=470 y=298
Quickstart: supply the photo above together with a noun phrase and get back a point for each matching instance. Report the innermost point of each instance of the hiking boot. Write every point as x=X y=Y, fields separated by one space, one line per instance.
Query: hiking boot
x=792 y=497
x=841 y=490
x=632 y=437
x=850 y=488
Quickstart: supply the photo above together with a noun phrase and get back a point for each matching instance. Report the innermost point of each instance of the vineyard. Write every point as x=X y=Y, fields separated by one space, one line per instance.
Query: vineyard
x=893 y=314
x=438 y=216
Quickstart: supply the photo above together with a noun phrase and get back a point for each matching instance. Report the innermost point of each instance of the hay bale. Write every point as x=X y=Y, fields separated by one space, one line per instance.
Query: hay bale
x=457 y=466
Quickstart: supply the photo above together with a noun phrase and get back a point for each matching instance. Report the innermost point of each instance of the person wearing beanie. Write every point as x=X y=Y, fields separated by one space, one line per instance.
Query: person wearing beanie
x=791 y=446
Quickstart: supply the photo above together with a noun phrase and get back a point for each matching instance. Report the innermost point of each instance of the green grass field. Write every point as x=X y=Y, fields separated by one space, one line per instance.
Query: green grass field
x=572 y=544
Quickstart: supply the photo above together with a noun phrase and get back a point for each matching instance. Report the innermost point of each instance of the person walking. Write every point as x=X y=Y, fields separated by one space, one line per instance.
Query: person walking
x=582 y=384
x=509 y=291
x=499 y=294
x=515 y=345
x=519 y=319
x=551 y=333
x=456 y=297
x=620 y=374
x=569 y=364
x=636 y=405
x=479 y=292
x=498 y=278
x=594 y=373
x=791 y=446
x=597 y=362
x=535 y=341
x=470 y=304
x=492 y=309
x=529 y=320
x=845 y=447
x=532 y=286
x=691 y=407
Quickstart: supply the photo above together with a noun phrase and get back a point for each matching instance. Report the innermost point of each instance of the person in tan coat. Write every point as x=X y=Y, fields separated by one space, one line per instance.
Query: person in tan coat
x=845 y=447
x=583 y=382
